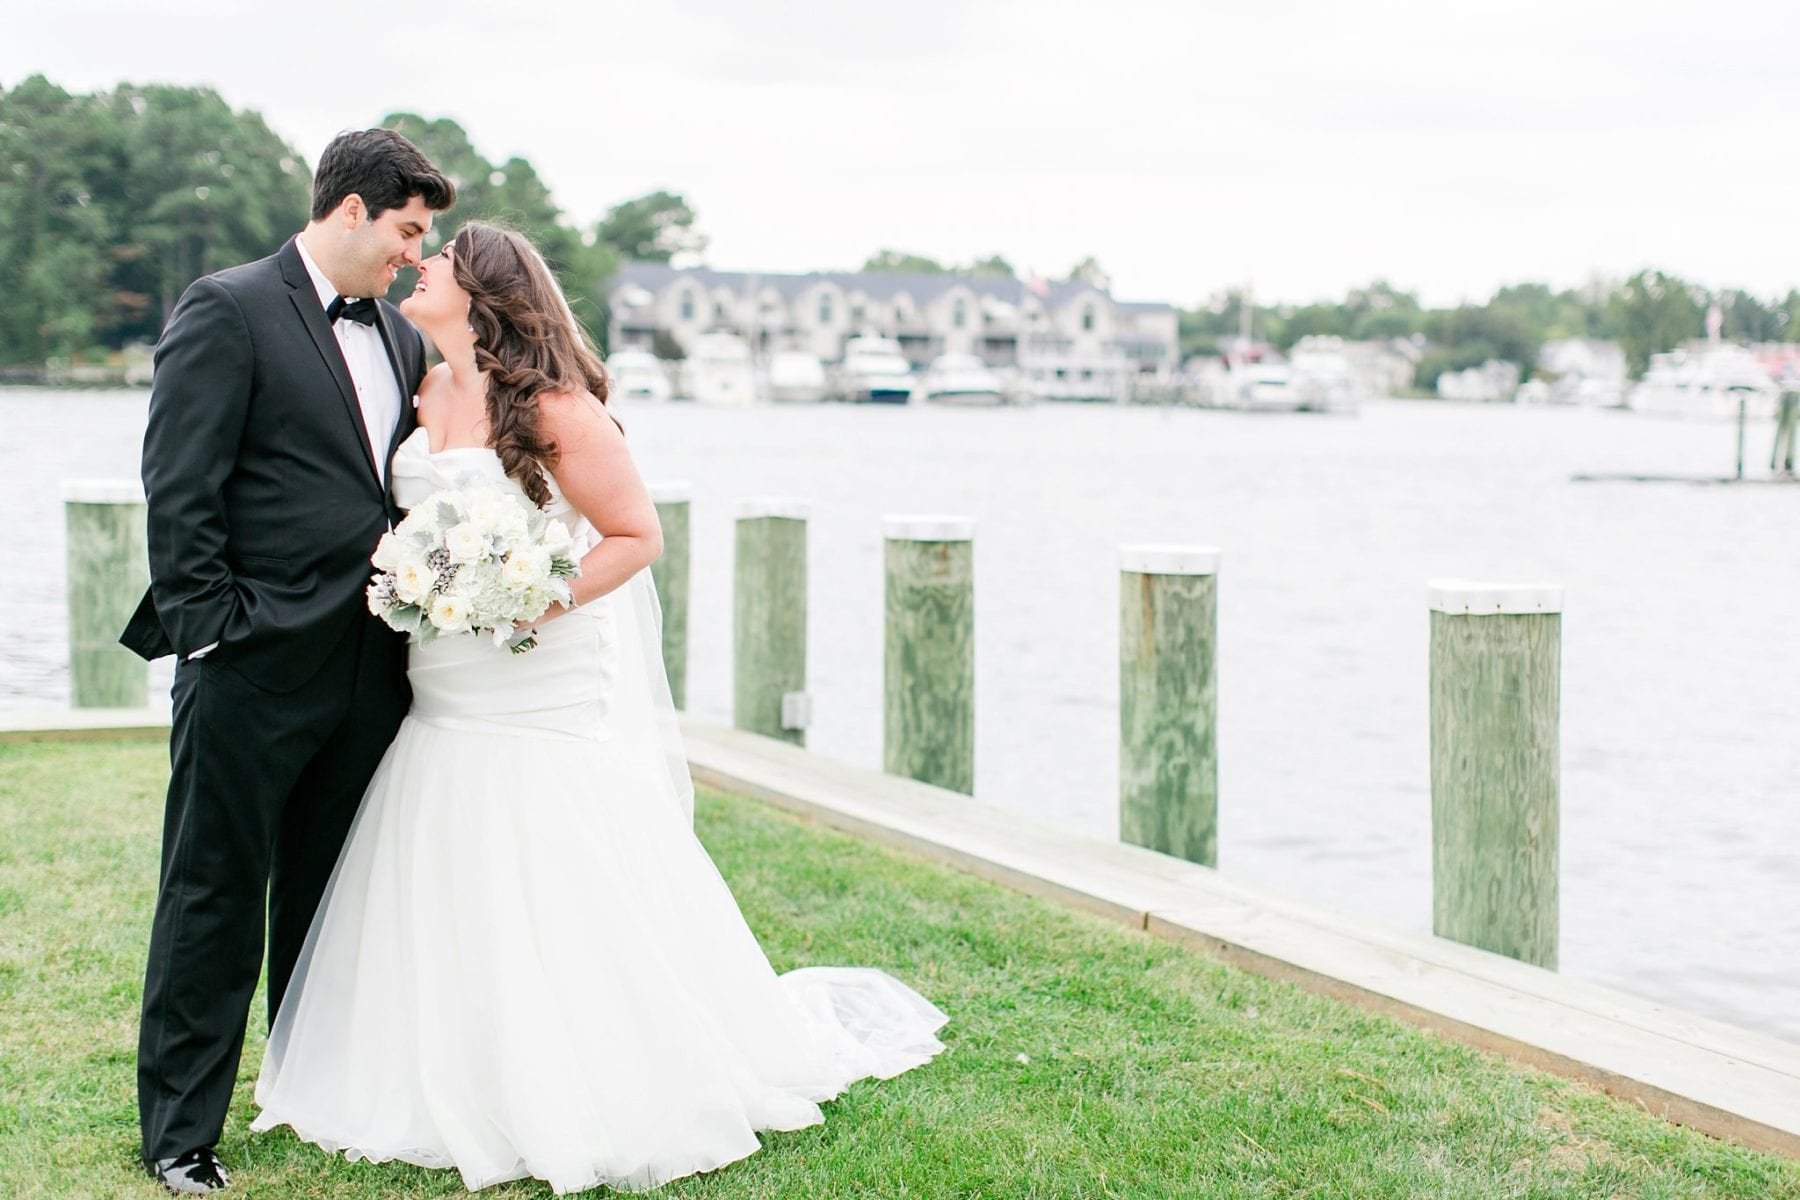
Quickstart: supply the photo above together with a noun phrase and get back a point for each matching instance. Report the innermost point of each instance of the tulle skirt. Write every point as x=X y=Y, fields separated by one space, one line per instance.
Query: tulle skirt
x=527 y=965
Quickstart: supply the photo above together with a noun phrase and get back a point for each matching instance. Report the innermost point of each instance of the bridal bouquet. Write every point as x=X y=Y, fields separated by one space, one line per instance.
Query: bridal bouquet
x=471 y=560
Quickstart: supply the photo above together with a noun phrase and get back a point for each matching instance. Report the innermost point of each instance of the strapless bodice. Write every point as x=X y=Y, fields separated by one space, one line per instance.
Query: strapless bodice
x=563 y=688
x=418 y=471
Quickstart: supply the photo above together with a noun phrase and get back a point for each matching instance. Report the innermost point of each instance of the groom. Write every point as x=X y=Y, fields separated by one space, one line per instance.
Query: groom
x=281 y=389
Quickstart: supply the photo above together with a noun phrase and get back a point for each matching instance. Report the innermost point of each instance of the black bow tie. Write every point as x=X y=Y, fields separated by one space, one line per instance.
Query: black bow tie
x=360 y=311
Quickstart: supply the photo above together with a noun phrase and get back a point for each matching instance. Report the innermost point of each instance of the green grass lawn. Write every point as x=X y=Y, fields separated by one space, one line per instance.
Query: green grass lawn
x=1085 y=1060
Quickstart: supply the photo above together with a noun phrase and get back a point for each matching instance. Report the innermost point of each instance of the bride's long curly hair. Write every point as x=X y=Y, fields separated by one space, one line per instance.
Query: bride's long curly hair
x=528 y=343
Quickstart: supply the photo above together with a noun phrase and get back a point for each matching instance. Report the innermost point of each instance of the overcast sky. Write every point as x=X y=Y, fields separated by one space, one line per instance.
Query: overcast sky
x=1307 y=145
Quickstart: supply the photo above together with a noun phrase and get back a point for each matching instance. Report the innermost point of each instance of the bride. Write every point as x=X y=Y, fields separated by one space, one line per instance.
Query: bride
x=525 y=963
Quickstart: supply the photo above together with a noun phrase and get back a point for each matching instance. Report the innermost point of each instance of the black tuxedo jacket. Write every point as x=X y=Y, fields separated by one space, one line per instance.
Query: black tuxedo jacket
x=264 y=500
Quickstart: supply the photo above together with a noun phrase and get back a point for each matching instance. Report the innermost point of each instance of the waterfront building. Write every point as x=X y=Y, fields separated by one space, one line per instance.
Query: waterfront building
x=1063 y=339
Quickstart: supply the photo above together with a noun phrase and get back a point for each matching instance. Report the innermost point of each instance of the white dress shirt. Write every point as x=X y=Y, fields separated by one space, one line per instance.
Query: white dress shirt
x=377 y=391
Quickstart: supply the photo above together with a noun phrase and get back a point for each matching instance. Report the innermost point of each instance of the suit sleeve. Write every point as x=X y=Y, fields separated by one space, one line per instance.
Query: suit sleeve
x=199 y=402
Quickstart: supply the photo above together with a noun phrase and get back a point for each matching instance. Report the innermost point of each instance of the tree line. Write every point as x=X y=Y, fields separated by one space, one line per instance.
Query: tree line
x=1646 y=314
x=111 y=203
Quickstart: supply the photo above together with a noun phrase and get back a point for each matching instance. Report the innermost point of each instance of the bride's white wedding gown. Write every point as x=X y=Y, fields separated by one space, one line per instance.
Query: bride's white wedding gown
x=526 y=964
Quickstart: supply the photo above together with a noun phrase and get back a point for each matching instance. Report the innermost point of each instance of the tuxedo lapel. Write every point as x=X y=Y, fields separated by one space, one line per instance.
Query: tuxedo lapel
x=306 y=305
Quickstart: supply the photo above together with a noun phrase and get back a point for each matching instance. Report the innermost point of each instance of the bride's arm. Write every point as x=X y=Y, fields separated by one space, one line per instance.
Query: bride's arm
x=596 y=475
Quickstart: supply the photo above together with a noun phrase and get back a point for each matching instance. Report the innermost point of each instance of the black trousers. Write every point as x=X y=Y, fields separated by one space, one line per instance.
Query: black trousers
x=262 y=791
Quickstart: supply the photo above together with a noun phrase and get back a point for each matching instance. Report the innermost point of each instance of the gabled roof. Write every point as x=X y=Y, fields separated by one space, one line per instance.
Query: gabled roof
x=922 y=287
x=877 y=285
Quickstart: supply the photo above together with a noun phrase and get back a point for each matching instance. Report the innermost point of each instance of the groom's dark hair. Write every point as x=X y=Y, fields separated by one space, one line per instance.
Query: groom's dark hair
x=383 y=168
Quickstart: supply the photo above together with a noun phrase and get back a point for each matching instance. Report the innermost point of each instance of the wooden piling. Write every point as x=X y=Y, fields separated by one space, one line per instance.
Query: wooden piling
x=929 y=661
x=1496 y=653
x=108 y=568
x=769 y=619
x=1168 y=700
x=670 y=574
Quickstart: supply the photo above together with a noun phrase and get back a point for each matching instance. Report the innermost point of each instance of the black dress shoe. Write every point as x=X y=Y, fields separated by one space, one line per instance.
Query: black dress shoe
x=192 y=1174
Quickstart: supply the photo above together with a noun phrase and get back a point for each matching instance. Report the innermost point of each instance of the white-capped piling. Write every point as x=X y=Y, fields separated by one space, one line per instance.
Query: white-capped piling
x=1496 y=660
x=670 y=574
x=108 y=569
x=928 y=730
x=1168 y=700
x=769 y=619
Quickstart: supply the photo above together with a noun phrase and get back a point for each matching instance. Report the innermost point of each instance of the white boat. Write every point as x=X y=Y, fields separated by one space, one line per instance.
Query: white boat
x=1324 y=382
x=1705 y=383
x=1103 y=377
x=1262 y=387
x=875 y=370
x=961 y=379
x=718 y=370
x=795 y=377
x=638 y=375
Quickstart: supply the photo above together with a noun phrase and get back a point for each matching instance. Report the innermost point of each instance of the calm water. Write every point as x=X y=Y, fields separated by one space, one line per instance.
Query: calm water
x=1681 y=657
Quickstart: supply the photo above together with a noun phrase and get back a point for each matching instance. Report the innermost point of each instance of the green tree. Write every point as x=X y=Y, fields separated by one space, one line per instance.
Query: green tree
x=991 y=267
x=1090 y=272
x=1380 y=310
x=1656 y=313
x=54 y=223
x=1789 y=312
x=1202 y=329
x=1748 y=319
x=111 y=204
x=1469 y=335
x=1314 y=320
x=897 y=262
x=206 y=188
x=653 y=228
x=510 y=194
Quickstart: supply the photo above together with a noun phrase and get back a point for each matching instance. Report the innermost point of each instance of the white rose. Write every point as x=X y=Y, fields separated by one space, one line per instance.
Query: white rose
x=377 y=599
x=416 y=526
x=515 y=520
x=492 y=511
x=413 y=578
x=388 y=552
x=450 y=613
x=557 y=538
x=525 y=569
x=465 y=543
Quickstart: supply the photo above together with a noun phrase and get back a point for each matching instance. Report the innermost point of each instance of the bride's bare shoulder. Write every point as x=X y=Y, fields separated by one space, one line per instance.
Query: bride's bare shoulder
x=432 y=384
x=432 y=398
x=576 y=414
